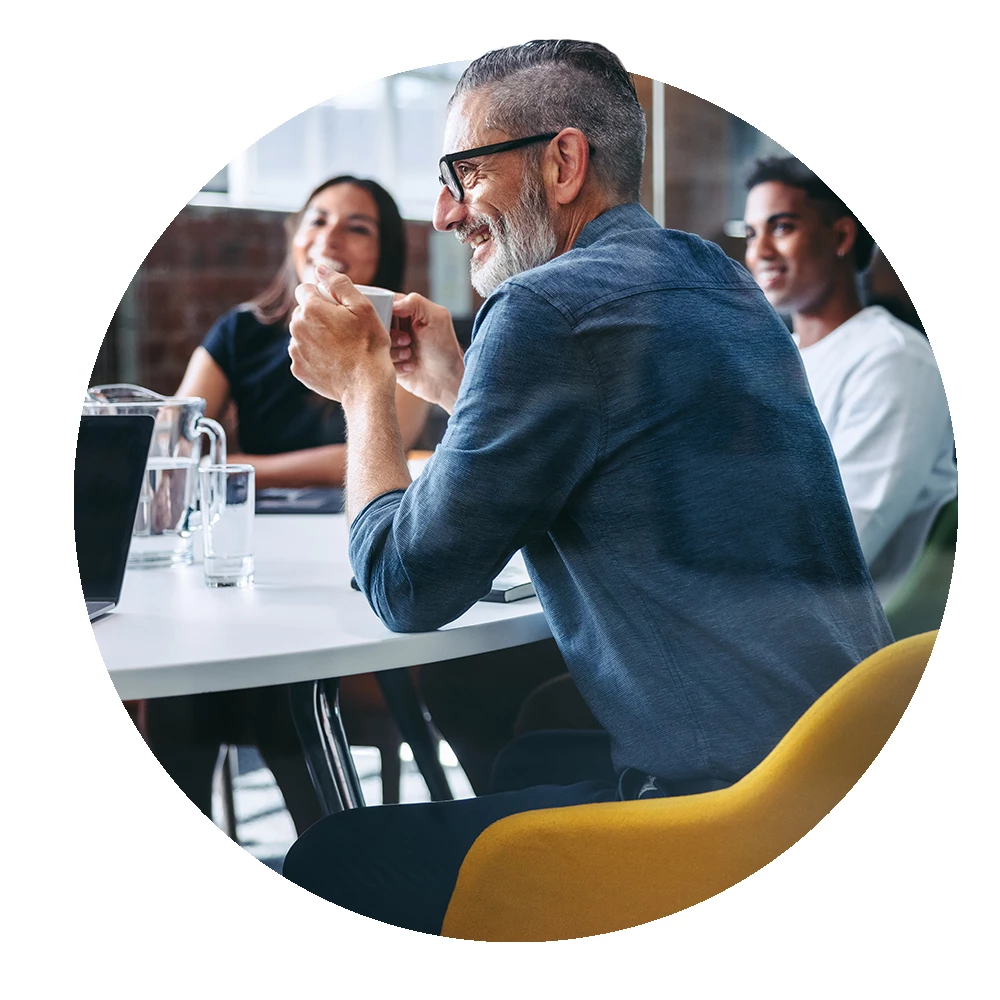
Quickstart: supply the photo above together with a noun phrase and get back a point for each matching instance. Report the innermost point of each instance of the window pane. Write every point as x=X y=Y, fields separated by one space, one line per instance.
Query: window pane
x=389 y=130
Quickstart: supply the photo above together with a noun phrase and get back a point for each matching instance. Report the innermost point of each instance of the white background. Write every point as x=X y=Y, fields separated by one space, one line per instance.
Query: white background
x=115 y=114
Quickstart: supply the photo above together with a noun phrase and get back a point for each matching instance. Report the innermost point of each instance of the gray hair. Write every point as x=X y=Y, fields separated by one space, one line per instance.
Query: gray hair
x=546 y=86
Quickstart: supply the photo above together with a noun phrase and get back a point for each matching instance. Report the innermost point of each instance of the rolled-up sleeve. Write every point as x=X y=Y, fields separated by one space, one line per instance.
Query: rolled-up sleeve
x=525 y=432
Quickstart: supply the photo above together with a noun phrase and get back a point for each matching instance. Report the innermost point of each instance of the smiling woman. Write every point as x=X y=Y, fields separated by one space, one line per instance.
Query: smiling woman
x=291 y=435
x=339 y=221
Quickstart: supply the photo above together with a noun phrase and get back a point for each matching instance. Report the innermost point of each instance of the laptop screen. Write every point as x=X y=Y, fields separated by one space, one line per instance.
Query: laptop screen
x=111 y=456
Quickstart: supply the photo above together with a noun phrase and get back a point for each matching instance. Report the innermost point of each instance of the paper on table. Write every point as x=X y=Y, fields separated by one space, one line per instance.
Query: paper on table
x=512 y=582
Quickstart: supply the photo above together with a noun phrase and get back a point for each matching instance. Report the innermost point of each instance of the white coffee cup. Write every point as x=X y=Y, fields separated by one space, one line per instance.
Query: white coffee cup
x=381 y=299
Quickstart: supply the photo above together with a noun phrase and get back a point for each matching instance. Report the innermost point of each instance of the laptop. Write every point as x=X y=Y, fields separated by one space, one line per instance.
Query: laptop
x=111 y=454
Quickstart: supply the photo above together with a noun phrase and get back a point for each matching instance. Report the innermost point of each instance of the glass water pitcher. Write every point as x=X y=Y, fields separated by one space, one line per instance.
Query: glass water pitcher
x=161 y=535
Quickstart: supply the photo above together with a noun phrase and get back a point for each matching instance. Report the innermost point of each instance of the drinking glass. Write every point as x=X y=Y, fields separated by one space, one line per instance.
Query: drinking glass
x=227 y=513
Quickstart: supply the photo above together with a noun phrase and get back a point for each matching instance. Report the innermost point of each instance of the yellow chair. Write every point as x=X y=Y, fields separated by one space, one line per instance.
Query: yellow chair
x=582 y=870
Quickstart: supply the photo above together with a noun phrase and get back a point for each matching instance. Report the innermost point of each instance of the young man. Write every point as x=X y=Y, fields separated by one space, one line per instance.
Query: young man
x=873 y=377
x=631 y=414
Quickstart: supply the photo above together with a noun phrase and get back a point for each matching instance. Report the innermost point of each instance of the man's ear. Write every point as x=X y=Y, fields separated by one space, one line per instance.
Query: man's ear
x=565 y=166
x=845 y=231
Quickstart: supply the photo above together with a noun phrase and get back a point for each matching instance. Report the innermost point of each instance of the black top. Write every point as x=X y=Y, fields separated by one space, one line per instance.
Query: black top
x=277 y=413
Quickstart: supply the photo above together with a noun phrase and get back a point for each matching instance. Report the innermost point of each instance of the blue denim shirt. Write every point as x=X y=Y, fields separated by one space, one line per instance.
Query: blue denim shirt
x=636 y=417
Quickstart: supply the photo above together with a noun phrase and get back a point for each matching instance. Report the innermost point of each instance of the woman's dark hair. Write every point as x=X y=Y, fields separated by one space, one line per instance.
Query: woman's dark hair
x=794 y=173
x=277 y=302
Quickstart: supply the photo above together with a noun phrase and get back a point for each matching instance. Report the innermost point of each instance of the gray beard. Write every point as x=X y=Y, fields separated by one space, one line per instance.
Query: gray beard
x=522 y=239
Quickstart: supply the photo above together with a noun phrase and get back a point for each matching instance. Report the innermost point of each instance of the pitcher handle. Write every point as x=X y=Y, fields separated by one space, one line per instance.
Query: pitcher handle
x=216 y=435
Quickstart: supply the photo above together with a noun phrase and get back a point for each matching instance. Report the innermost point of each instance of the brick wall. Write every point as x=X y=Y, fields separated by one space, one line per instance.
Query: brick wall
x=205 y=262
x=699 y=164
x=210 y=259
x=703 y=162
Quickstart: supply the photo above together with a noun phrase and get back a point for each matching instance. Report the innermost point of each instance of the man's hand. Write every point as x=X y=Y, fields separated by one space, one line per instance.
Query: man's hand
x=425 y=351
x=338 y=343
x=340 y=349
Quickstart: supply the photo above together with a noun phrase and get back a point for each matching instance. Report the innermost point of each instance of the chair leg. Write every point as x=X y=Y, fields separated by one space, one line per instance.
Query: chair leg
x=379 y=731
x=225 y=773
x=390 y=770
x=316 y=714
x=401 y=697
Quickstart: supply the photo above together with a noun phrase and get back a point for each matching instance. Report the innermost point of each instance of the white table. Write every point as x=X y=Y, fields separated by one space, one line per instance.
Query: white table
x=299 y=622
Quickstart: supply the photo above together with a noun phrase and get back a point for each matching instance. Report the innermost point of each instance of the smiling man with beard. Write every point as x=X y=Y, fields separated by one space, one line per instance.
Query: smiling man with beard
x=518 y=240
x=633 y=415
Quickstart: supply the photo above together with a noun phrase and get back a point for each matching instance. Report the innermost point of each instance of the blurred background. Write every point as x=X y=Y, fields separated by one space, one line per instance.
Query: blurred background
x=227 y=242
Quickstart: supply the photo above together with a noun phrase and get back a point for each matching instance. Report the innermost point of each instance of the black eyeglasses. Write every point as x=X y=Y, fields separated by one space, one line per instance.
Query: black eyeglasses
x=449 y=177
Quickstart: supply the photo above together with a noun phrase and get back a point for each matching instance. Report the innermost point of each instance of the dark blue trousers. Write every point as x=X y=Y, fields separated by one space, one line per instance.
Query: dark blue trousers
x=399 y=863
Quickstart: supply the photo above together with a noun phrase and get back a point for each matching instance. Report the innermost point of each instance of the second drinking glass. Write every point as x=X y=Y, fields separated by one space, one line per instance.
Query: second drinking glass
x=227 y=514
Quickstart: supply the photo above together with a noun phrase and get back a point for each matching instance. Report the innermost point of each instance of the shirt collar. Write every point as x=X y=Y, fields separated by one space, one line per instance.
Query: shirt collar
x=618 y=219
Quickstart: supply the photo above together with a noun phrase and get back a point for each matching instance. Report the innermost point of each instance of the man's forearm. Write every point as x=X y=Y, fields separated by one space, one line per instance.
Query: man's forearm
x=376 y=461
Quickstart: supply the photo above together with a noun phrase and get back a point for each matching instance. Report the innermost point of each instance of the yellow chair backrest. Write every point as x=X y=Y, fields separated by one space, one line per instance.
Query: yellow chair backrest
x=583 y=870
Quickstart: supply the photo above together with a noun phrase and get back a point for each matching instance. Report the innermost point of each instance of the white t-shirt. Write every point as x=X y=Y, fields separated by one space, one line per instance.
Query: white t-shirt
x=880 y=396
